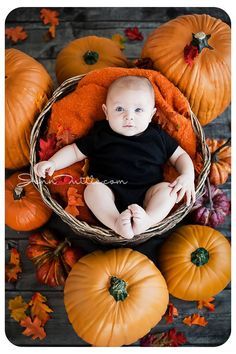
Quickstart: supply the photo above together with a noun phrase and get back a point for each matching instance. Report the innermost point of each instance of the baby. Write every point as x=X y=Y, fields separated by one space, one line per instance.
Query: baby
x=126 y=154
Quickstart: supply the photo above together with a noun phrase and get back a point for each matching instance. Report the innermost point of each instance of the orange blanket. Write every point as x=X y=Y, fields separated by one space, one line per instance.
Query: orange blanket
x=78 y=111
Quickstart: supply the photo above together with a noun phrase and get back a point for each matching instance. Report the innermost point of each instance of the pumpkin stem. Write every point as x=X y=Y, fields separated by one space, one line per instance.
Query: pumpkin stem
x=209 y=194
x=61 y=246
x=200 y=257
x=91 y=57
x=214 y=157
x=200 y=40
x=18 y=193
x=118 y=289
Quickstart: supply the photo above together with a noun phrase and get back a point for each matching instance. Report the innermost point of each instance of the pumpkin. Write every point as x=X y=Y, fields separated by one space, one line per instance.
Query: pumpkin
x=27 y=88
x=25 y=209
x=114 y=298
x=220 y=160
x=88 y=53
x=195 y=262
x=211 y=208
x=53 y=258
x=206 y=83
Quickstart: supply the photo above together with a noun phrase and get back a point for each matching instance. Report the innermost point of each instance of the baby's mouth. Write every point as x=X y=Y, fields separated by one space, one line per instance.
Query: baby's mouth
x=128 y=126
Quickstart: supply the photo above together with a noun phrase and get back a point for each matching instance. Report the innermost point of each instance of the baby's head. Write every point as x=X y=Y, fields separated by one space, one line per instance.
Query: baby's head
x=130 y=105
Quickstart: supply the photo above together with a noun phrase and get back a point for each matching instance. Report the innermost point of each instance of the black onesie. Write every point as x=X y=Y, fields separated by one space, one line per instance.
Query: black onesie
x=128 y=165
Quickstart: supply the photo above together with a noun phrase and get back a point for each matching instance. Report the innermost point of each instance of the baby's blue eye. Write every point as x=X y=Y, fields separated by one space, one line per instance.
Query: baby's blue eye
x=119 y=109
x=138 y=110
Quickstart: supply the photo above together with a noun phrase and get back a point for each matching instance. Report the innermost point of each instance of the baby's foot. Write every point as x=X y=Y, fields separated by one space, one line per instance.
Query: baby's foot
x=141 y=220
x=123 y=225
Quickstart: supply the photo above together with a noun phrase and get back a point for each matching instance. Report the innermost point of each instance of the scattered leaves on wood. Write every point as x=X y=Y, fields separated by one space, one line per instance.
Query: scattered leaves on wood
x=74 y=201
x=50 y=17
x=34 y=328
x=17 y=306
x=133 y=34
x=39 y=309
x=207 y=303
x=119 y=40
x=16 y=34
x=47 y=147
x=172 y=338
x=13 y=268
x=195 y=319
x=171 y=312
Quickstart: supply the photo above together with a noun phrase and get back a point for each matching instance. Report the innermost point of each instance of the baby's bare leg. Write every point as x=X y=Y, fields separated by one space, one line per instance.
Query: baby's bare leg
x=101 y=201
x=157 y=204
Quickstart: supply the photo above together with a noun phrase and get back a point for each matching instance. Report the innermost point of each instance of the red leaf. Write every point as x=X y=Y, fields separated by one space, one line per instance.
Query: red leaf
x=47 y=147
x=190 y=53
x=34 y=328
x=16 y=34
x=170 y=313
x=49 y=16
x=133 y=34
x=144 y=63
x=164 y=339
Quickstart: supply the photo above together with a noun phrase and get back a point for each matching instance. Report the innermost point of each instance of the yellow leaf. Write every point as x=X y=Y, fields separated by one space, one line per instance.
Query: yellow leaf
x=17 y=306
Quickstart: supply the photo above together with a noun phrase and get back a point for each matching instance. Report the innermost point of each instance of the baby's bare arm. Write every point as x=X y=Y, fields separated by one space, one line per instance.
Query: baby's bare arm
x=66 y=156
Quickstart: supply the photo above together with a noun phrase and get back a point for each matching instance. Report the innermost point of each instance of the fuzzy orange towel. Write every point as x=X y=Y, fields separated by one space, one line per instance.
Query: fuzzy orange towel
x=79 y=110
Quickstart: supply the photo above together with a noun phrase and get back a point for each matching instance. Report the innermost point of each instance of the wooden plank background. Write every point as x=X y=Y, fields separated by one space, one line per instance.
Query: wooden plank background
x=75 y=23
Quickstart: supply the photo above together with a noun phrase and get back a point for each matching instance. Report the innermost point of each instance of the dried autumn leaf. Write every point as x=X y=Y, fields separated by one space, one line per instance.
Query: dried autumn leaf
x=172 y=338
x=17 y=306
x=171 y=312
x=39 y=309
x=74 y=200
x=133 y=34
x=190 y=53
x=195 y=319
x=50 y=17
x=64 y=136
x=206 y=303
x=34 y=328
x=47 y=147
x=16 y=34
x=13 y=268
x=119 y=40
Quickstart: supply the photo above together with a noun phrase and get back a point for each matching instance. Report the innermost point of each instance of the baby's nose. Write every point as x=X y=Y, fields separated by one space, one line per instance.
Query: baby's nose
x=129 y=116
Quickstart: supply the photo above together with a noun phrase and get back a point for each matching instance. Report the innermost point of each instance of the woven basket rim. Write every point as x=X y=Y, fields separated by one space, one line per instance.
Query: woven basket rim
x=103 y=234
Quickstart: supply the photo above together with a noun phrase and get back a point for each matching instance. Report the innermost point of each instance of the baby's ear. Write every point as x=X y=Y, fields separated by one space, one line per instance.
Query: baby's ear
x=104 y=108
x=153 y=112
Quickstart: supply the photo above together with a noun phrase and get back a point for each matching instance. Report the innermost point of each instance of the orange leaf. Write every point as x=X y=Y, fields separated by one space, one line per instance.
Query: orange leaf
x=39 y=309
x=17 y=306
x=49 y=17
x=13 y=268
x=207 y=304
x=64 y=136
x=34 y=328
x=195 y=319
x=16 y=34
x=74 y=200
x=171 y=312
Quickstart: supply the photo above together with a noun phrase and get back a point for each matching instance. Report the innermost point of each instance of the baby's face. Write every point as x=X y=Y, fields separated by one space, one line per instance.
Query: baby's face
x=129 y=111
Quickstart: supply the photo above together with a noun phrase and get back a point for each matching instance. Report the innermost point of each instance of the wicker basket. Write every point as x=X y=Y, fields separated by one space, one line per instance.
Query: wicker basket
x=103 y=234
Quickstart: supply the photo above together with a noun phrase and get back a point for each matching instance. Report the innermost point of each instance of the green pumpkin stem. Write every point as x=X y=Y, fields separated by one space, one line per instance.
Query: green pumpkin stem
x=118 y=289
x=91 y=57
x=200 y=40
x=200 y=257
x=18 y=193
x=61 y=246
x=214 y=157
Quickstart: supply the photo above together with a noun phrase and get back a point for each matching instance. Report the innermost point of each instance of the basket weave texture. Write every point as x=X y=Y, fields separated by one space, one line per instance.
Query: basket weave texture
x=103 y=234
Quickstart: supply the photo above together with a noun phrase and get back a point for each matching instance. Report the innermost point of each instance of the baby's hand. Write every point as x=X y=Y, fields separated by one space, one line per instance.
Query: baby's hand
x=184 y=184
x=42 y=167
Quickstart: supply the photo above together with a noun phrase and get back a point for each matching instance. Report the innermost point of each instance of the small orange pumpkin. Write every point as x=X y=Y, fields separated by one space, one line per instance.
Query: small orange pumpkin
x=206 y=83
x=220 y=160
x=195 y=262
x=88 y=53
x=25 y=209
x=27 y=88
x=114 y=298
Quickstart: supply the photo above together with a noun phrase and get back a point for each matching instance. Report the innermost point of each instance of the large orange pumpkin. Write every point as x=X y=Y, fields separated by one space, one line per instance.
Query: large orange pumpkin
x=206 y=83
x=195 y=262
x=27 y=88
x=114 y=298
x=88 y=53
x=25 y=209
